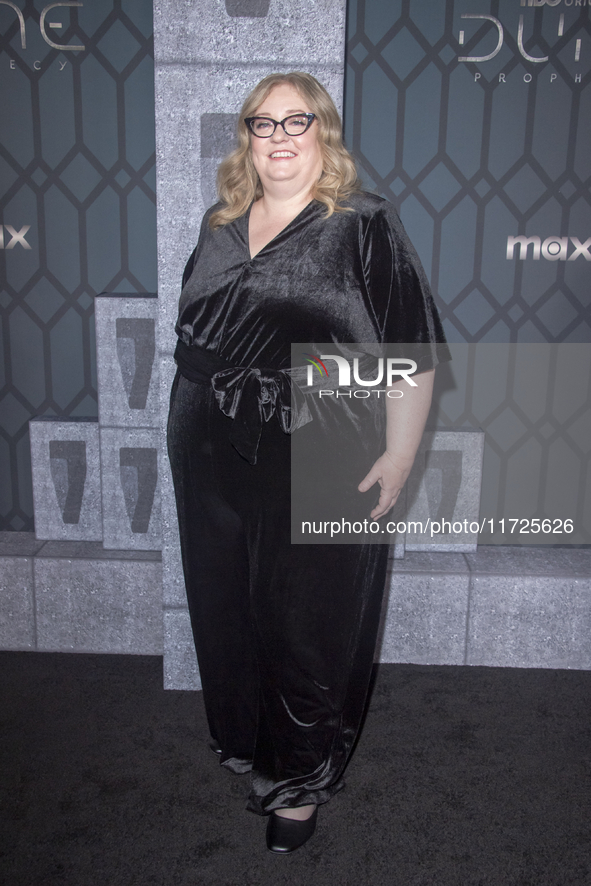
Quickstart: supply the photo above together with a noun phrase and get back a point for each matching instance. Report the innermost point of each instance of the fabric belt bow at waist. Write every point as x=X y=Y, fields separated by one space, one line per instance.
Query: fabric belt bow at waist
x=247 y=395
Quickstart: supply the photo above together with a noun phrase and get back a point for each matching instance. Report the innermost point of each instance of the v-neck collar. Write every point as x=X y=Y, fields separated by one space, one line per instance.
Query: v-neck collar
x=313 y=203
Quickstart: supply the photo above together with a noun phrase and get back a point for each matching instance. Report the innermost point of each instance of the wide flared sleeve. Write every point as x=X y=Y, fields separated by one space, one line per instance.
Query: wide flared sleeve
x=204 y=231
x=398 y=290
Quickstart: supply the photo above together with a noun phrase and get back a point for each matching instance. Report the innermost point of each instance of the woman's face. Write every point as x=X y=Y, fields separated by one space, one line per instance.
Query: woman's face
x=283 y=158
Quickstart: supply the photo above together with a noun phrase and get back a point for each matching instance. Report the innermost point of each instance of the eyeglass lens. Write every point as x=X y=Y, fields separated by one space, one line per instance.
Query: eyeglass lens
x=265 y=127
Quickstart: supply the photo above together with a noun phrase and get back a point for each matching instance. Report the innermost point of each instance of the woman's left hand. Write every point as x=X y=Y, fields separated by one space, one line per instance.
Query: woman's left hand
x=391 y=472
x=406 y=416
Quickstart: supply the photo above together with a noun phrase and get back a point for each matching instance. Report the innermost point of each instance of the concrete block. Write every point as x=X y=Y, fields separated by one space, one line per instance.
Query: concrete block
x=426 y=605
x=530 y=621
x=444 y=485
x=397 y=551
x=430 y=562
x=298 y=36
x=17 y=612
x=180 y=660
x=509 y=560
x=131 y=493
x=86 y=605
x=66 y=479
x=577 y=562
x=19 y=544
x=126 y=361
x=93 y=550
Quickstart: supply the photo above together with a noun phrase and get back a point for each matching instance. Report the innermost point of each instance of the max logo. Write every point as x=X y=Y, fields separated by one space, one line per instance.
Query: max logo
x=552 y=248
x=42 y=26
x=15 y=236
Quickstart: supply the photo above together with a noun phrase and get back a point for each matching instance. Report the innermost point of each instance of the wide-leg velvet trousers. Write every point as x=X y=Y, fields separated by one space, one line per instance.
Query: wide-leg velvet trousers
x=285 y=633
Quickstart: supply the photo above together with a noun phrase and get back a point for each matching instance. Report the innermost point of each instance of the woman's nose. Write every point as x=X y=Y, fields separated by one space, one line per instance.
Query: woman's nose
x=279 y=135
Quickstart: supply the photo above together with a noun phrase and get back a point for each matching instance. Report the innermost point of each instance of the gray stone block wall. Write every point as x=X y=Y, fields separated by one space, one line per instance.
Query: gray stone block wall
x=97 y=605
x=101 y=481
x=500 y=607
x=17 y=590
x=530 y=608
x=306 y=35
x=129 y=419
x=96 y=585
x=424 y=616
x=17 y=615
x=73 y=596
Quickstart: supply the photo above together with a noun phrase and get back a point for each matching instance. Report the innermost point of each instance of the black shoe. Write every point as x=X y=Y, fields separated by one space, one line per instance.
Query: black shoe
x=214 y=746
x=287 y=834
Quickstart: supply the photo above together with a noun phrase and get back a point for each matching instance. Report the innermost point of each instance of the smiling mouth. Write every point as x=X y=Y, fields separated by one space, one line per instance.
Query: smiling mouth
x=278 y=155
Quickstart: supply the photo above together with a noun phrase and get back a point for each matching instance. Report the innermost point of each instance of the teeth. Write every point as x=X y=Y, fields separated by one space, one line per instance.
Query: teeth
x=282 y=154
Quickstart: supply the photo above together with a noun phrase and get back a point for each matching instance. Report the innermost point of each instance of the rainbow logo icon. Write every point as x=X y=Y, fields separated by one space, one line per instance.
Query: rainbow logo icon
x=317 y=362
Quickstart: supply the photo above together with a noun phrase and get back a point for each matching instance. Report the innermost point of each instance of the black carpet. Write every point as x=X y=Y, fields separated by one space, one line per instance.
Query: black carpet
x=462 y=777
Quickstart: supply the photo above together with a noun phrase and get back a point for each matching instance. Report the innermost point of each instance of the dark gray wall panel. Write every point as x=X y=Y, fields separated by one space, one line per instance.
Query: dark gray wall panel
x=475 y=152
x=77 y=181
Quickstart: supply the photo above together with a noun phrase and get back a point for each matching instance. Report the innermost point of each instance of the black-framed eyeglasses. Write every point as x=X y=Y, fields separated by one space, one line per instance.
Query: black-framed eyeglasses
x=295 y=124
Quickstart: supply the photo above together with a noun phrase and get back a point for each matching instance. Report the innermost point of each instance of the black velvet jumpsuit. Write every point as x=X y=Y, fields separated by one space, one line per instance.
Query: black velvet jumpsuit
x=285 y=633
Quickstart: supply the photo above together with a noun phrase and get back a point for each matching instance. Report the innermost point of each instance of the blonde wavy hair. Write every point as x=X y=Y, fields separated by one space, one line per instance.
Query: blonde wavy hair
x=238 y=181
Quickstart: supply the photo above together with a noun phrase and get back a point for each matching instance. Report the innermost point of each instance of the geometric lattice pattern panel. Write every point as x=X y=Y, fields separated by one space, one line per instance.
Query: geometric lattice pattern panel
x=533 y=402
x=77 y=189
x=474 y=118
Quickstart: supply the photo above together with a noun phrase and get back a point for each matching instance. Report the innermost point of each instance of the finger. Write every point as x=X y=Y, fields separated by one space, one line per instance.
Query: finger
x=369 y=480
x=386 y=502
x=379 y=512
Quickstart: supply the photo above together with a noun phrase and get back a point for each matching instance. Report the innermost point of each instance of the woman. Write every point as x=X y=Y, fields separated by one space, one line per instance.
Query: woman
x=285 y=633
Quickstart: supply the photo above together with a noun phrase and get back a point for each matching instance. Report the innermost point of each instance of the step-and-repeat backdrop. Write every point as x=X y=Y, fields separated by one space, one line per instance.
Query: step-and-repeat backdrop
x=473 y=116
